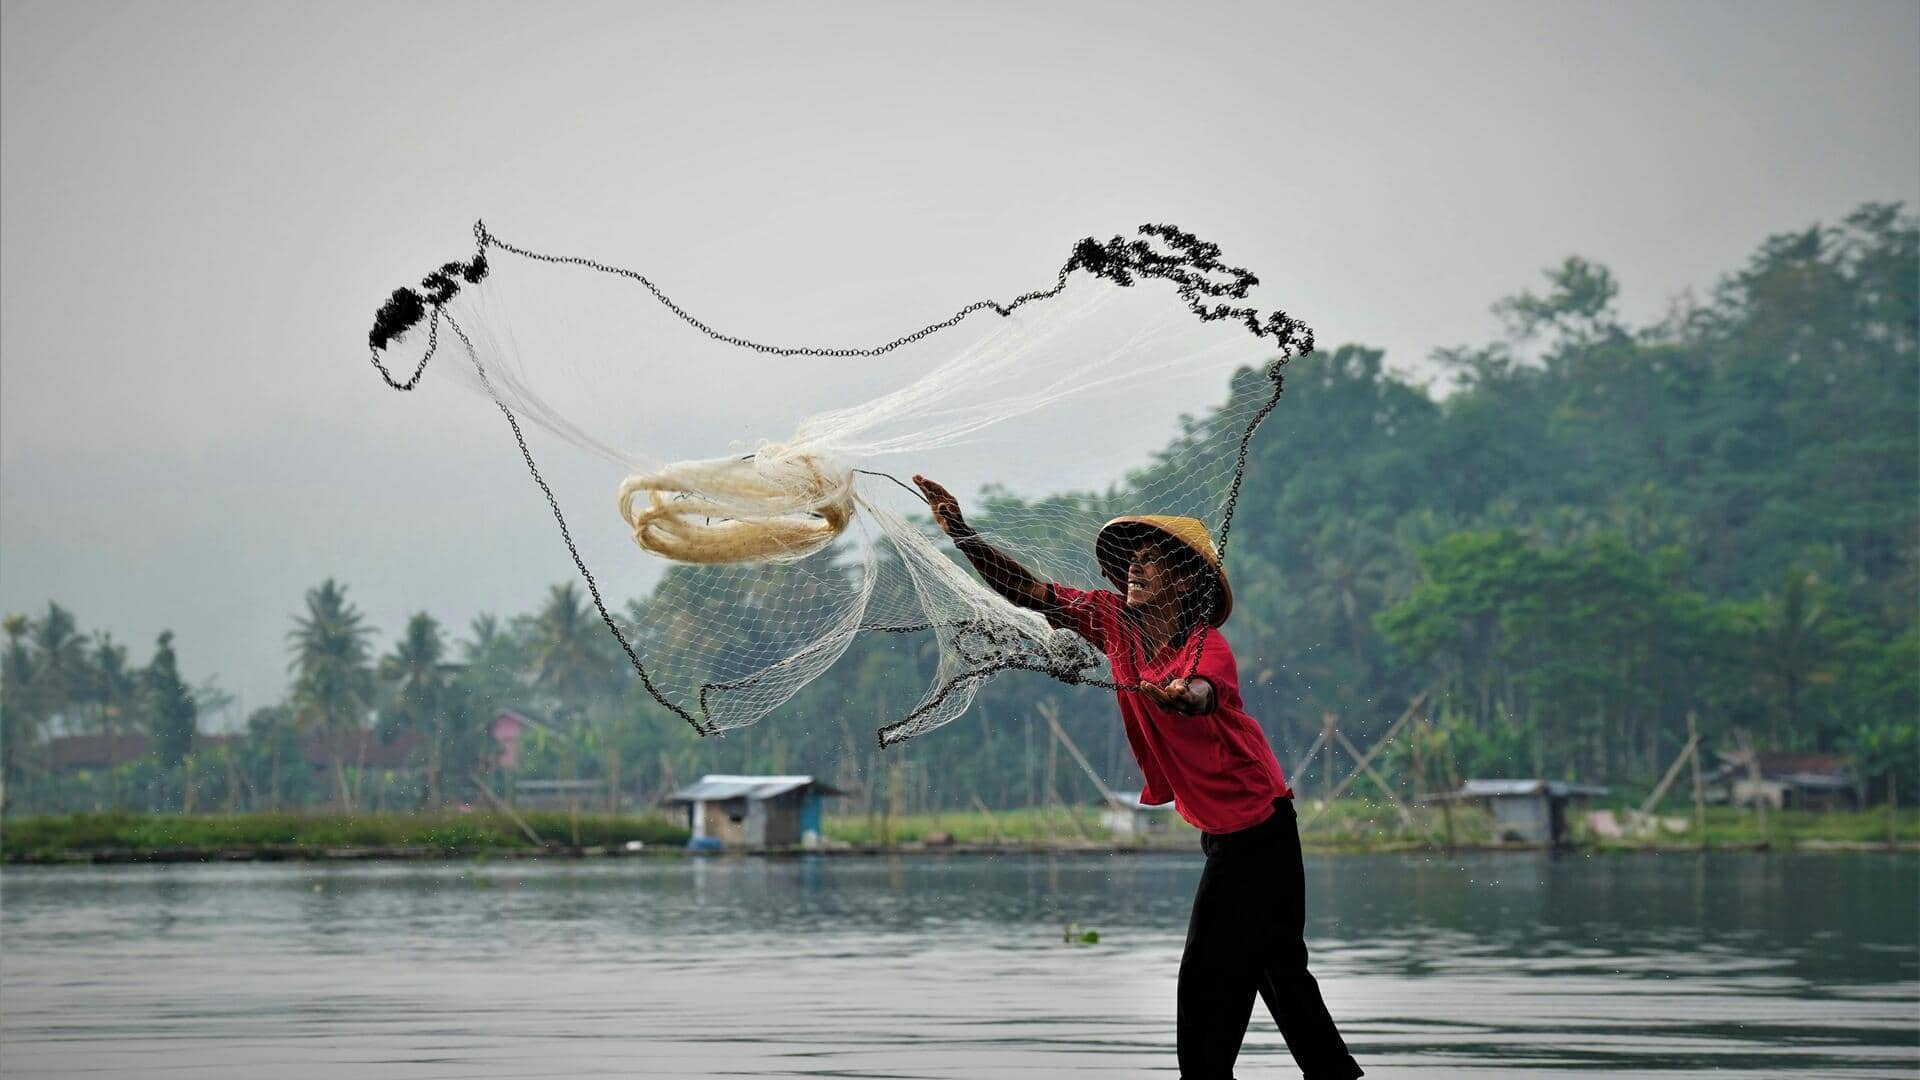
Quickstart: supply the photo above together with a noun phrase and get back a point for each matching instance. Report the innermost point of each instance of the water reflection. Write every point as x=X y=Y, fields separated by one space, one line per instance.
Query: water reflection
x=946 y=966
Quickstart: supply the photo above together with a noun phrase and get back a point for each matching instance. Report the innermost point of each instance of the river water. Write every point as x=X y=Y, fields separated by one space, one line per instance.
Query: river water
x=937 y=967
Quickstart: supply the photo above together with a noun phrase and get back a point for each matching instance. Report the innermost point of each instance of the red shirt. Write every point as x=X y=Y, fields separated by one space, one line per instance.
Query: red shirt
x=1217 y=769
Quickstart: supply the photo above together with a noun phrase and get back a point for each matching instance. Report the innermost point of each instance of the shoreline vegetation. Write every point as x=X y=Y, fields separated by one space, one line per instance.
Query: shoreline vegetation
x=1351 y=826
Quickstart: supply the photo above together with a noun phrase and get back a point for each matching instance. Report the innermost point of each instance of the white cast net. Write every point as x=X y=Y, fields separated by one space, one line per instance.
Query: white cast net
x=748 y=497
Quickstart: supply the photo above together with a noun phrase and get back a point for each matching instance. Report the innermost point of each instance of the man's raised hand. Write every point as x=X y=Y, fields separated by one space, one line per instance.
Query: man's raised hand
x=946 y=508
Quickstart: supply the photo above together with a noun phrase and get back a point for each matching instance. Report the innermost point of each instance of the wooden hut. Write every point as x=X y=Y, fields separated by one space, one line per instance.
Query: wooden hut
x=1524 y=811
x=1783 y=780
x=754 y=811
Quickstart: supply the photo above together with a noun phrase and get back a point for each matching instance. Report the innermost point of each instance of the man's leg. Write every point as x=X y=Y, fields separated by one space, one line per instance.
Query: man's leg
x=1290 y=991
x=1219 y=973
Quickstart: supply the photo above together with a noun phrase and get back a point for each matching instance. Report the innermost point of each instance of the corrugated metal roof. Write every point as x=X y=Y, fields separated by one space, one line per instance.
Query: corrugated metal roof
x=1485 y=789
x=714 y=786
x=1817 y=781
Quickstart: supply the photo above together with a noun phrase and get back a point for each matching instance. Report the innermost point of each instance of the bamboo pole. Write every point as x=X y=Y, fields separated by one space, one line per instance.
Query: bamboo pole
x=1326 y=771
x=893 y=799
x=1893 y=809
x=1673 y=773
x=1052 y=712
x=1300 y=767
x=872 y=791
x=1759 y=797
x=993 y=826
x=1446 y=808
x=1026 y=759
x=500 y=805
x=1406 y=818
x=1053 y=796
x=1699 y=790
x=1379 y=745
x=613 y=775
x=1072 y=820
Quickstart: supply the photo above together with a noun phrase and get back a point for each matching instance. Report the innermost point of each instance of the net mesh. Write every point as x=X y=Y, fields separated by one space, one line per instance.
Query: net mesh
x=763 y=525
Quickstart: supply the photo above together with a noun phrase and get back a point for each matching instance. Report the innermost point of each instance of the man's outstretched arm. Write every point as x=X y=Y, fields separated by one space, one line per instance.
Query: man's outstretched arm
x=1014 y=582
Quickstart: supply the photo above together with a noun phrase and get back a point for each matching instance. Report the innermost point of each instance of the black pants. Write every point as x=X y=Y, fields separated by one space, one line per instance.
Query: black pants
x=1246 y=936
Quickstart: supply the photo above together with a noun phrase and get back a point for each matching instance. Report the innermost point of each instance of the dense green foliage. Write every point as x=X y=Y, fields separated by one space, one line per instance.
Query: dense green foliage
x=1593 y=532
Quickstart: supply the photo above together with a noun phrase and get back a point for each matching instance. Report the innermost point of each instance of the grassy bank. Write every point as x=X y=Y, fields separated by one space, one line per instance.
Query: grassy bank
x=1358 y=825
x=1350 y=825
x=43 y=837
x=1730 y=827
x=1023 y=826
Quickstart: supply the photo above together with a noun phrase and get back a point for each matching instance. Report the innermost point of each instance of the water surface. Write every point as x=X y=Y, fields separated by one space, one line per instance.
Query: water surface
x=940 y=967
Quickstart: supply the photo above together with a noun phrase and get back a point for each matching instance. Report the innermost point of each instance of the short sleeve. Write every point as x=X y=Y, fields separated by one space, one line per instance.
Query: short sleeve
x=1217 y=665
x=1084 y=613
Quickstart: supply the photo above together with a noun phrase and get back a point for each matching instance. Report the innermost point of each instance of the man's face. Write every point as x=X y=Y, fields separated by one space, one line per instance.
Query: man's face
x=1148 y=579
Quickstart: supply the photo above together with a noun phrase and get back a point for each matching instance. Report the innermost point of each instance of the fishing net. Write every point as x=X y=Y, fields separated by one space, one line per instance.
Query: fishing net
x=762 y=525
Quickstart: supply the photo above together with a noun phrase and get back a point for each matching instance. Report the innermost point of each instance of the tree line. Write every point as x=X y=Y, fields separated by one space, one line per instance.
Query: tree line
x=1595 y=531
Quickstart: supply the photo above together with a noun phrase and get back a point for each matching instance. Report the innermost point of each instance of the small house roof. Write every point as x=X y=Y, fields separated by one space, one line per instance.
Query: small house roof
x=1817 y=781
x=1801 y=769
x=1500 y=789
x=713 y=787
x=92 y=751
x=524 y=721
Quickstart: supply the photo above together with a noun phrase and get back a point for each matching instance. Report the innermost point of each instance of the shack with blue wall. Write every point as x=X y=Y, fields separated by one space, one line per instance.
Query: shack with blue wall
x=755 y=811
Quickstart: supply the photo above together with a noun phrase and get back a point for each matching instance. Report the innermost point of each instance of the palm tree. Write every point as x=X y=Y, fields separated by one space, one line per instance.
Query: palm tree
x=570 y=663
x=333 y=675
x=171 y=711
x=117 y=693
x=418 y=679
x=60 y=678
x=488 y=637
x=19 y=712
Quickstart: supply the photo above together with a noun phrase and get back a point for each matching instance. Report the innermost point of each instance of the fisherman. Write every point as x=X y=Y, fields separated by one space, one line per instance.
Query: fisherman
x=1198 y=749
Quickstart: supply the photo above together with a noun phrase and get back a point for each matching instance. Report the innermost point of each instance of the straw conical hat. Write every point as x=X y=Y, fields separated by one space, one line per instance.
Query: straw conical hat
x=1118 y=538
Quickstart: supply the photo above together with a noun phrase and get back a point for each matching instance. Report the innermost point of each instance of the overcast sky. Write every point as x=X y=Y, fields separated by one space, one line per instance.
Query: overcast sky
x=202 y=204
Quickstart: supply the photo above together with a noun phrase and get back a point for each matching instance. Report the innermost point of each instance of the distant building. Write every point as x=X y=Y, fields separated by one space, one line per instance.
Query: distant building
x=1787 y=781
x=562 y=794
x=75 y=753
x=507 y=729
x=1127 y=816
x=1524 y=811
x=754 y=811
x=359 y=748
x=67 y=754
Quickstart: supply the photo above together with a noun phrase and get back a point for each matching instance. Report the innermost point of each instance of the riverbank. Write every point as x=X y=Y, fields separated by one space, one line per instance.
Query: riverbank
x=121 y=836
x=1350 y=826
